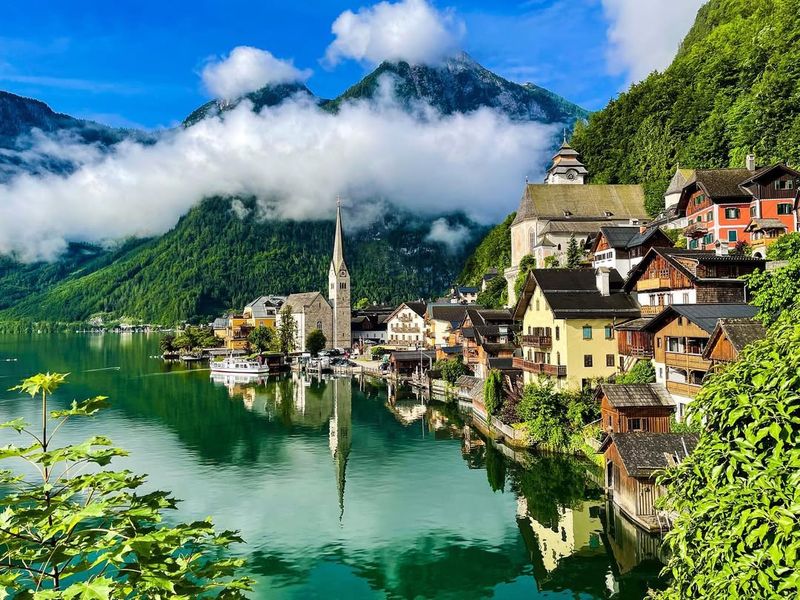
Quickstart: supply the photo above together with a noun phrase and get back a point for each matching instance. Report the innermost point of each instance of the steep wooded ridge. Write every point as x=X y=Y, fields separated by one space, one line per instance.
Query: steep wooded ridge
x=213 y=261
x=733 y=88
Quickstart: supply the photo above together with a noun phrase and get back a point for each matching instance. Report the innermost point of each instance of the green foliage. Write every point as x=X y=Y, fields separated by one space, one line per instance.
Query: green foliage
x=451 y=369
x=574 y=253
x=193 y=338
x=785 y=247
x=81 y=530
x=287 y=330
x=732 y=89
x=688 y=425
x=555 y=419
x=262 y=338
x=495 y=467
x=737 y=531
x=315 y=341
x=361 y=303
x=167 y=343
x=493 y=392
x=212 y=260
x=774 y=291
x=642 y=372
x=493 y=252
x=496 y=293
x=551 y=262
x=526 y=265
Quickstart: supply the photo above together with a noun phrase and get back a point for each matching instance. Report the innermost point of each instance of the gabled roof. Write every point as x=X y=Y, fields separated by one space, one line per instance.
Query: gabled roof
x=643 y=453
x=679 y=180
x=626 y=238
x=417 y=307
x=220 y=323
x=679 y=257
x=704 y=316
x=721 y=184
x=259 y=307
x=763 y=172
x=635 y=394
x=573 y=294
x=466 y=289
x=574 y=227
x=739 y=332
x=552 y=201
x=303 y=300
x=765 y=225
x=452 y=313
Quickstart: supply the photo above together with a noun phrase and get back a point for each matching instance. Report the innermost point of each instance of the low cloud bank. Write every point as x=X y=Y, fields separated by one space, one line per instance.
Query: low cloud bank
x=294 y=159
x=247 y=69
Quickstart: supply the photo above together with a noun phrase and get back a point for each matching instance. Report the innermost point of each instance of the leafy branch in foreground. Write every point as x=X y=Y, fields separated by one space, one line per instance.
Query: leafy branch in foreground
x=79 y=530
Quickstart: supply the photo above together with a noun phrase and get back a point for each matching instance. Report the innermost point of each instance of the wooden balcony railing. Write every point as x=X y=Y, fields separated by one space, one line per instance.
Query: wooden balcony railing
x=638 y=352
x=530 y=366
x=693 y=362
x=651 y=311
x=683 y=389
x=540 y=341
x=405 y=329
x=656 y=283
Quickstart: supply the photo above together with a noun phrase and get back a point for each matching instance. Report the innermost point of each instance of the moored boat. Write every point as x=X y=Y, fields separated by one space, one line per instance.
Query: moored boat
x=237 y=364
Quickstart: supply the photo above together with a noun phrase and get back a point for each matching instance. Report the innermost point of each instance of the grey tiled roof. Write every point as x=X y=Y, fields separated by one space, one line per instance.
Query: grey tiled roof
x=636 y=394
x=643 y=454
x=704 y=316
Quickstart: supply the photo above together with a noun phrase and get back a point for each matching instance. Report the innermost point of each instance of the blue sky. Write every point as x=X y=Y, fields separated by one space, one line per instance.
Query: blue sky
x=138 y=63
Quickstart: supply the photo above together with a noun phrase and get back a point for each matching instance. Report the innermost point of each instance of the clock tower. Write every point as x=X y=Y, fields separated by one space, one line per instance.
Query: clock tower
x=567 y=166
x=339 y=288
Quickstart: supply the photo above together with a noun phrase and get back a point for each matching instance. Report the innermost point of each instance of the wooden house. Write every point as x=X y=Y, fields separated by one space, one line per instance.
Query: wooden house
x=764 y=233
x=679 y=276
x=635 y=407
x=634 y=342
x=729 y=337
x=622 y=248
x=681 y=333
x=485 y=334
x=405 y=363
x=406 y=326
x=719 y=203
x=632 y=462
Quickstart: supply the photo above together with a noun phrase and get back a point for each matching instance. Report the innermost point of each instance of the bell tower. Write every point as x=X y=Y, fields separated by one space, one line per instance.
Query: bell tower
x=339 y=288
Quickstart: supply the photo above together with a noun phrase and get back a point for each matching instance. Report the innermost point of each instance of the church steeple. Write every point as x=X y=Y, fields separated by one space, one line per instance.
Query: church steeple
x=567 y=166
x=339 y=288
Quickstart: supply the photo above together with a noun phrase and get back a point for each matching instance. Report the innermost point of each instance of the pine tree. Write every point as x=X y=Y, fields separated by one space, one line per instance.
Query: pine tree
x=574 y=254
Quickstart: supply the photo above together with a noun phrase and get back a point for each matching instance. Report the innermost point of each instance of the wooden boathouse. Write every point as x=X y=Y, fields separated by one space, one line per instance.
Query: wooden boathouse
x=635 y=407
x=632 y=462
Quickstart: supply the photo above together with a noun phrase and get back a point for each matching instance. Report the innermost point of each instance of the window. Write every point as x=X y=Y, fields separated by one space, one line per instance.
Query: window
x=609 y=332
x=786 y=184
x=343 y=286
x=784 y=208
x=587 y=333
x=752 y=211
x=693 y=244
x=319 y=325
x=558 y=358
x=685 y=298
x=537 y=305
x=634 y=424
x=610 y=360
x=558 y=333
x=658 y=342
x=708 y=238
x=587 y=360
x=731 y=213
x=709 y=216
x=680 y=320
x=731 y=235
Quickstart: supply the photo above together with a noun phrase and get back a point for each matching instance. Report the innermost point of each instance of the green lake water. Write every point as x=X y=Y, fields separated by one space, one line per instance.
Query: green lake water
x=340 y=487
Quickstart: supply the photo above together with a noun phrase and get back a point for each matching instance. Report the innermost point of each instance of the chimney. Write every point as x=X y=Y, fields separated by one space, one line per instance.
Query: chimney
x=642 y=228
x=720 y=248
x=603 y=281
x=750 y=162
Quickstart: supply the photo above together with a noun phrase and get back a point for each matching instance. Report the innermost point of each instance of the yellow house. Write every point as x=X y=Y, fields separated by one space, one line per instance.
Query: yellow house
x=237 y=332
x=568 y=318
x=263 y=311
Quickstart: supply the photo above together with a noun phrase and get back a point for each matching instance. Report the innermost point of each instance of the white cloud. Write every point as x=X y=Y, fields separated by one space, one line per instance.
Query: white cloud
x=452 y=236
x=247 y=69
x=644 y=35
x=294 y=158
x=410 y=30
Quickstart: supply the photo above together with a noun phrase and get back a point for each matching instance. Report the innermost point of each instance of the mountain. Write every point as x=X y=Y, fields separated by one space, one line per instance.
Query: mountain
x=213 y=261
x=462 y=85
x=20 y=116
x=733 y=88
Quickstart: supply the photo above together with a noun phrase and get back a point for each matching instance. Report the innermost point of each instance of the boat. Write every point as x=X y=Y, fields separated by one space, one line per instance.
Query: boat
x=191 y=358
x=245 y=366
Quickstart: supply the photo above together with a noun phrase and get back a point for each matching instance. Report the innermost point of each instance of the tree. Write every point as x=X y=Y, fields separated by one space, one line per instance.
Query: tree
x=451 y=369
x=785 y=247
x=287 y=330
x=361 y=303
x=574 y=254
x=642 y=372
x=774 y=291
x=526 y=265
x=315 y=341
x=261 y=338
x=737 y=533
x=496 y=293
x=493 y=392
x=544 y=411
x=78 y=532
x=167 y=343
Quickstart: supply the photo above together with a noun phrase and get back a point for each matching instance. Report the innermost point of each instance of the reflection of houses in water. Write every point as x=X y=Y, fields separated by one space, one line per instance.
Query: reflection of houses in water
x=340 y=433
x=629 y=544
x=577 y=532
x=406 y=408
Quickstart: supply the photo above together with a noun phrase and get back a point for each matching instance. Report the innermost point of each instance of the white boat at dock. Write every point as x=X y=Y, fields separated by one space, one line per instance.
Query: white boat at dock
x=238 y=364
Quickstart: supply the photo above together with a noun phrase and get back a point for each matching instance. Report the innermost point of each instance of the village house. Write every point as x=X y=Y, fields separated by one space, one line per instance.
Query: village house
x=263 y=311
x=484 y=335
x=632 y=462
x=763 y=233
x=406 y=326
x=634 y=407
x=719 y=204
x=441 y=321
x=234 y=330
x=368 y=325
x=729 y=338
x=681 y=276
x=671 y=217
x=552 y=213
x=464 y=294
x=310 y=310
x=634 y=342
x=681 y=333
x=568 y=318
x=622 y=248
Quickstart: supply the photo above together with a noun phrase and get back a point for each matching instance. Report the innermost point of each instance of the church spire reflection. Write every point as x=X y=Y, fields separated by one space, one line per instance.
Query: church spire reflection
x=340 y=434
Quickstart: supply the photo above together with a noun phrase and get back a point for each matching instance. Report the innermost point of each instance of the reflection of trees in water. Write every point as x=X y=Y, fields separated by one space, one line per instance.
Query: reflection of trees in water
x=495 y=468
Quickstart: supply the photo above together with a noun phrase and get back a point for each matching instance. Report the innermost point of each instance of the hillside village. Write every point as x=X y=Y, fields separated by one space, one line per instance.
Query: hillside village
x=604 y=302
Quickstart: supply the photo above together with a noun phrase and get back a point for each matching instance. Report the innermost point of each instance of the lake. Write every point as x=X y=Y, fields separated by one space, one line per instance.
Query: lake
x=341 y=487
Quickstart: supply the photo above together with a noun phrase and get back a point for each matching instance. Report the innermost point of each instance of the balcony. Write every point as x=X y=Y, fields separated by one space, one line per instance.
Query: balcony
x=405 y=329
x=656 y=283
x=683 y=389
x=682 y=360
x=696 y=230
x=638 y=352
x=540 y=368
x=539 y=341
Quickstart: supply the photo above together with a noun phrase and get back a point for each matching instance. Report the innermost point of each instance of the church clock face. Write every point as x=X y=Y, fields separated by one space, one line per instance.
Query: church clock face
x=342 y=272
x=571 y=175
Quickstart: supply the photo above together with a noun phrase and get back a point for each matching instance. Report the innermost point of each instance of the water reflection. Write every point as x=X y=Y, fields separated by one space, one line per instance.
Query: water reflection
x=343 y=488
